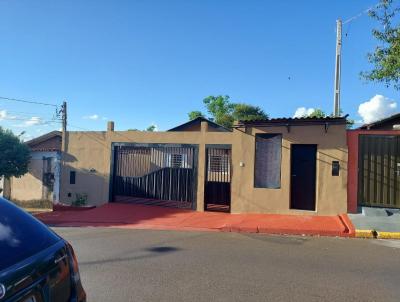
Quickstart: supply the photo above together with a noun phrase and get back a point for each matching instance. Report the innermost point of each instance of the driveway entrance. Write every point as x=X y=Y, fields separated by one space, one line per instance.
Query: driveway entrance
x=161 y=172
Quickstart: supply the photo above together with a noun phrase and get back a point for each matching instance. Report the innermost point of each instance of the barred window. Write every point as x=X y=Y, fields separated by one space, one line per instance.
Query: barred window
x=218 y=163
x=176 y=160
x=267 y=168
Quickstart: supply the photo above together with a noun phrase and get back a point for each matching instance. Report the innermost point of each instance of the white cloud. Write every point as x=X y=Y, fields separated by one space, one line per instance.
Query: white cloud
x=93 y=117
x=378 y=107
x=33 y=121
x=303 y=111
x=5 y=116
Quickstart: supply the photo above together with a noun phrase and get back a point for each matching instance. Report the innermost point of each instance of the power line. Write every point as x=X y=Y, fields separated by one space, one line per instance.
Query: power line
x=26 y=101
x=90 y=136
x=40 y=121
x=22 y=112
x=360 y=14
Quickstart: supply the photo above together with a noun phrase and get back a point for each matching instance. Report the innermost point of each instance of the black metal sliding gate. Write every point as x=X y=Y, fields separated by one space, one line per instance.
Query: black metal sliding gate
x=164 y=174
x=379 y=171
x=217 y=195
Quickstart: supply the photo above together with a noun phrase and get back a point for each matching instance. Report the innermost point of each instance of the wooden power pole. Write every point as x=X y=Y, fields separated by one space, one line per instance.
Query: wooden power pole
x=64 y=116
x=336 y=98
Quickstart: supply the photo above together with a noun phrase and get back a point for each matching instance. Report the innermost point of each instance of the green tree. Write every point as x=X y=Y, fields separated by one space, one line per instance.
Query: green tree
x=220 y=108
x=317 y=113
x=386 y=57
x=195 y=114
x=151 y=128
x=246 y=112
x=14 y=155
x=224 y=112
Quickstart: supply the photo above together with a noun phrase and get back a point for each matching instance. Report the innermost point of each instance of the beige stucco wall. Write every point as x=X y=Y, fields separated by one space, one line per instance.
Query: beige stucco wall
x=29 y=186
x=331 y=191
x=89 y=154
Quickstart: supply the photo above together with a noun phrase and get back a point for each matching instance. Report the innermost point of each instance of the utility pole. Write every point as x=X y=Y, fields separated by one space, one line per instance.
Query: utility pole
x=336 y=98
x=64 y=116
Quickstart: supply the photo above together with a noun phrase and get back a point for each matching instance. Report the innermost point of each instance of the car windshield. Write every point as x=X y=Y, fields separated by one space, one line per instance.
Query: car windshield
x=21 y=235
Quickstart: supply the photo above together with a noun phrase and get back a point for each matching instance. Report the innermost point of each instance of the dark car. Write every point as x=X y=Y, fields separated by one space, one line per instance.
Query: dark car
x=36 y=265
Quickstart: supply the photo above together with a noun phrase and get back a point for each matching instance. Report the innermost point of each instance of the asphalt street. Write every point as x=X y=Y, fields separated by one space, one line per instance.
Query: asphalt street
x=146 y=265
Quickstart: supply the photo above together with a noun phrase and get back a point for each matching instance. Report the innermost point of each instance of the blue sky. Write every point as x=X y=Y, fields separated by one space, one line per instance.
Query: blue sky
x=144 y=62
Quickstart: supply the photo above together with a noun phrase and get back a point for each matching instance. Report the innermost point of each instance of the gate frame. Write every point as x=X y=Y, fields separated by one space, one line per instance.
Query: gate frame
x=352 y=166
x=155 y=145
x=217 y=146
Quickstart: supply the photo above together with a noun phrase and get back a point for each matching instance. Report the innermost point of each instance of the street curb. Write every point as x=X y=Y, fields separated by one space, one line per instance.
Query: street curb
x=372 y=234
x=350 y=230
x=365 y=234
x=388 y=235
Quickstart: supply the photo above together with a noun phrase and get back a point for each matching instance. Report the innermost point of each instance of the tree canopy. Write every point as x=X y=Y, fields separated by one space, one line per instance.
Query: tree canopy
x=319 y=113
x=195 y=114
x=386 y=57
x=224 y=112
x=14 y=155
x=151 y=128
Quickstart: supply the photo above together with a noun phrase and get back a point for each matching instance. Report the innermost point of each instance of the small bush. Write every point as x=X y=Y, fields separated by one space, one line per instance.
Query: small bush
x=80 y=200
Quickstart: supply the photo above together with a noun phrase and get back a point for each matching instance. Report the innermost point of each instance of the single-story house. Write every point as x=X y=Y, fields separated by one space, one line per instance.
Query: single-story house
x=374 y=165
x=285 y=166
x=42 y=182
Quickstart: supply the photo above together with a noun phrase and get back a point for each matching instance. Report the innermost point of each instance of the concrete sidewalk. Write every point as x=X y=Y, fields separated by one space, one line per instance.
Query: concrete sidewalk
x=152 y=217
x=383 y=223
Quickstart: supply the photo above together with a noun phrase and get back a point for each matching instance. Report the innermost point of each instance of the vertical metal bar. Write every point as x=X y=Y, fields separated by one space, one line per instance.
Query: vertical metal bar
x=381 y=170
x=361 y=172
x=368 y=170
x=397 y=176
x=389 y=175
x=375 y=163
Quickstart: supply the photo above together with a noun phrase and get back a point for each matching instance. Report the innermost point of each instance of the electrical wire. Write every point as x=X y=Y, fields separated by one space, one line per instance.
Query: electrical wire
x=87 y=133
x=360 y=14
x=26 y=101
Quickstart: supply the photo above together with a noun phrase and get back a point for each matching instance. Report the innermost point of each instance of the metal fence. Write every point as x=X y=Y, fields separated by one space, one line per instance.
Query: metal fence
x=379 y=170
x=163 y=172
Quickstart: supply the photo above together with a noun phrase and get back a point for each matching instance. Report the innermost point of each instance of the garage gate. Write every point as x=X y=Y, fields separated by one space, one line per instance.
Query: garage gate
x=379 y=171
x=157 y=174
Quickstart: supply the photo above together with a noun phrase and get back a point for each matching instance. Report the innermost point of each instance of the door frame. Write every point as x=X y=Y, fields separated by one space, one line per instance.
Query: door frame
x=315 y=180
x=223 y=147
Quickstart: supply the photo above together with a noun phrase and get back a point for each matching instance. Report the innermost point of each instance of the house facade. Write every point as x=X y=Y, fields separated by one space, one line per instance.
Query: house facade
x=42 y=182
x=283 y=166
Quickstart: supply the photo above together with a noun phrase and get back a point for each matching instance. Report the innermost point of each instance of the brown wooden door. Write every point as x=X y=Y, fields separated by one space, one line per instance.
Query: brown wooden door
x=379 y=171
x=303 y=177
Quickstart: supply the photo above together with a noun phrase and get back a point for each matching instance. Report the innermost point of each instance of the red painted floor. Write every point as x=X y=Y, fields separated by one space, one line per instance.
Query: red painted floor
x=153 y=217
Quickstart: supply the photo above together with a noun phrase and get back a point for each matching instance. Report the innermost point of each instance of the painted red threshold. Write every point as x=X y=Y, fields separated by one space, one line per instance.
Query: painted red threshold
x=134 y=216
